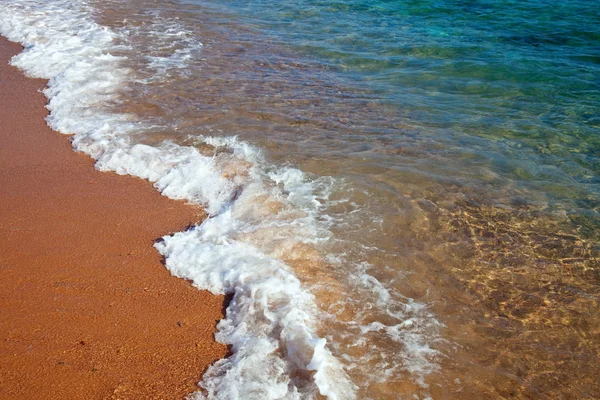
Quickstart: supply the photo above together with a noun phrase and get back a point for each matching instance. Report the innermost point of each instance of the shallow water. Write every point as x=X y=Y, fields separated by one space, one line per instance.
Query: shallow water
x=428 y=171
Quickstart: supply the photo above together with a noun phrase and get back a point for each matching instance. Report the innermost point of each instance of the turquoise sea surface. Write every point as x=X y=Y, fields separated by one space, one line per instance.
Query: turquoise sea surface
x=513 y=86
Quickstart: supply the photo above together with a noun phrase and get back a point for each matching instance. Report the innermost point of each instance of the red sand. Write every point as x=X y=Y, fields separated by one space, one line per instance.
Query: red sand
x=88 y=311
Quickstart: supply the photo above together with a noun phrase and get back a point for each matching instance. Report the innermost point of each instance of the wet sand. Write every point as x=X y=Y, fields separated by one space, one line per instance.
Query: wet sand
x=88 y=310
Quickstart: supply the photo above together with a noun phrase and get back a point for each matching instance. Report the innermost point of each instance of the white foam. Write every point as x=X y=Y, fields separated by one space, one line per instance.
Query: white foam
x=383 y=315
x=167 y=45
x=270 y=322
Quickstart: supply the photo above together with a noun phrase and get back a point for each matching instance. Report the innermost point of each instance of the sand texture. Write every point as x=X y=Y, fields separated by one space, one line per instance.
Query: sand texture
x=87 y=309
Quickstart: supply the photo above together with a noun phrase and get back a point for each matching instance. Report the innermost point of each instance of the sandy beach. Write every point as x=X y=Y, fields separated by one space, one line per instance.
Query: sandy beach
x=88 y=310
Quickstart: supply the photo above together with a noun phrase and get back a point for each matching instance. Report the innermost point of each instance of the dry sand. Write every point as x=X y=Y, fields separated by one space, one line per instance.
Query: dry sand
x=87 y=309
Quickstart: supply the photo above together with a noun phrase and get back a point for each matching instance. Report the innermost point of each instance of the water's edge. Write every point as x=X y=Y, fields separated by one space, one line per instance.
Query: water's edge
x=269 y=323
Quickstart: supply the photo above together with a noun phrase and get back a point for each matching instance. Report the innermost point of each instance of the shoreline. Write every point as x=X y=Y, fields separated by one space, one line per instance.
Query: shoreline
x=88 y=309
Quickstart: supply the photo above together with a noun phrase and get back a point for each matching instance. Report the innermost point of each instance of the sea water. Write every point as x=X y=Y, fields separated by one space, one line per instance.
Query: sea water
x=403 y=196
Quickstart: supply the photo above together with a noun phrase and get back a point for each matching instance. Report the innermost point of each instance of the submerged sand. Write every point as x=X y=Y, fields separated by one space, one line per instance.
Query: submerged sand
x=88 y=310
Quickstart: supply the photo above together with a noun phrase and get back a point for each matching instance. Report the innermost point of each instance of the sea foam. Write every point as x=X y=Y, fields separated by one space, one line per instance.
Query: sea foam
x=271 y=320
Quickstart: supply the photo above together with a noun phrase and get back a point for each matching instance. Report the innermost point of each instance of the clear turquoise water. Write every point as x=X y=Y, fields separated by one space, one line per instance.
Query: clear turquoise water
x=522 y=75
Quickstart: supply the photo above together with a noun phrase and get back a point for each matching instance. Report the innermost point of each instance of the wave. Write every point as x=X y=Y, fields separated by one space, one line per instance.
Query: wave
x=263 y=219
x=270 y=322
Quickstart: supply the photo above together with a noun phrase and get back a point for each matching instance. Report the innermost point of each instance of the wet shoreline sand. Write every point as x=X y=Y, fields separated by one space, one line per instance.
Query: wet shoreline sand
x=88 y=311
